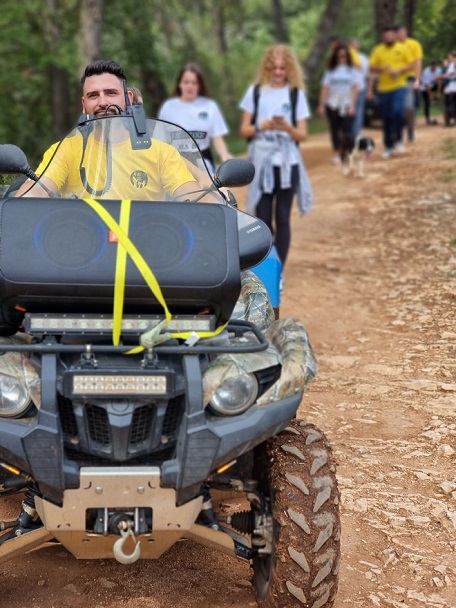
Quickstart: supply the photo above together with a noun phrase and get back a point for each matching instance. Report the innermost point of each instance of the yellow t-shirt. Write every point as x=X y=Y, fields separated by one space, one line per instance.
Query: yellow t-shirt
x=354 y=55
x=416 y=51
x=395 y=57
x=134 y=174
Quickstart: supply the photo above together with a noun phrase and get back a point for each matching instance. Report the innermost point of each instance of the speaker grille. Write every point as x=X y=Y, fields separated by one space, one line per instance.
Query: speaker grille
x=59 y=256
x=68 y=243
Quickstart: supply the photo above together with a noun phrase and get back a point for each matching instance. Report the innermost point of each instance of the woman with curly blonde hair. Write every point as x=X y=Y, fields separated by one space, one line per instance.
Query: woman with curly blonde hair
x=275 y=111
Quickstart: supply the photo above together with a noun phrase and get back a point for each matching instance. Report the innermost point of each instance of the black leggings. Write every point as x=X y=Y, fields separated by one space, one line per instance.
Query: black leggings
x=339 y=126
x=283 y=200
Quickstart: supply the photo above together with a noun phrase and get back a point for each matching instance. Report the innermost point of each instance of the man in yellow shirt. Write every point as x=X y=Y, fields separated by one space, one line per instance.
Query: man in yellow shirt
x=412 y=99
x=143 y=174
x=390 y=62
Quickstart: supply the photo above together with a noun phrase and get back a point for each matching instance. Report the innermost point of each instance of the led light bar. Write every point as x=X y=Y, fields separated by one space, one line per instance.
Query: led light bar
x=101 y=324
x=119 y=384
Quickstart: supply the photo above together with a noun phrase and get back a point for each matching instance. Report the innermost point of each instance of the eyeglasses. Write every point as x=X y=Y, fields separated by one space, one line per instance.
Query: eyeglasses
x=341 y=55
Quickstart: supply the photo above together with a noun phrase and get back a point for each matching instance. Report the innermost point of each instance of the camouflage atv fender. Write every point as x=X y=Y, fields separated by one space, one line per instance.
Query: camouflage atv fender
x=299 y=365
x=253 y=304
x=289 y=345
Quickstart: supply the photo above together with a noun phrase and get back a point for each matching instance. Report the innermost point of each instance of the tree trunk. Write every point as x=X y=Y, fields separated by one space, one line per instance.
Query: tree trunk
x=90 y=31
x=227 y=88
x=219 y=17
x=58 y=77
x=280 y=30
x=327 y=25
x=143 y=55
x=409 y=14
x=385 y=14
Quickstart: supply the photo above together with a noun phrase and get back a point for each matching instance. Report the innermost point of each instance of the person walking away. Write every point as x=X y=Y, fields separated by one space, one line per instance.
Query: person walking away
x=429 y=88
x=448 y=83
x=192 y=109
x=361 y=98
x=274 y=119
x=412 y=99
x=338 y=94
x=390 y=61
x=137 y=95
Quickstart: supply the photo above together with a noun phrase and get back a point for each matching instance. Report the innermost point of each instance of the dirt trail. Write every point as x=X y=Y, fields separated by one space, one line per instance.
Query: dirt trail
x=373 y=276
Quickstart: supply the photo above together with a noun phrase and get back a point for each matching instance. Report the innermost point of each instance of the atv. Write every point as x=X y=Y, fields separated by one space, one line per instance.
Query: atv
x=144 y=376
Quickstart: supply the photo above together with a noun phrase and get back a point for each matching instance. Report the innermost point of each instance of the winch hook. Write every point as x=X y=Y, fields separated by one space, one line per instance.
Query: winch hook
x=118 y=551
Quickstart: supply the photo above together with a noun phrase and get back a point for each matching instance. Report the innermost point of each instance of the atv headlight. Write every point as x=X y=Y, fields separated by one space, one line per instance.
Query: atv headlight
x=14 y=396
x=235 y=395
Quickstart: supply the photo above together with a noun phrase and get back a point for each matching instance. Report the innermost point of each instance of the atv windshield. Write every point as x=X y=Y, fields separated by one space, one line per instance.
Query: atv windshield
x=125 y=156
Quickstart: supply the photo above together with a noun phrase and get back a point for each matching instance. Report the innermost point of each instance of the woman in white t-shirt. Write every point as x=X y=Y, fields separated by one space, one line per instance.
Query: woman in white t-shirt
x=275 y=111
x=192 y=109
x=339 y=90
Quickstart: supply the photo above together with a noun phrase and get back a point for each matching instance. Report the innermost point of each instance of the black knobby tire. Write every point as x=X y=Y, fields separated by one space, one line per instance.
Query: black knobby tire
x=298 y=471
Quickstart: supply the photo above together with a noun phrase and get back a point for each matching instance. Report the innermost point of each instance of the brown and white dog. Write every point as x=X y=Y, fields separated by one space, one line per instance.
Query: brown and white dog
x=355 y=150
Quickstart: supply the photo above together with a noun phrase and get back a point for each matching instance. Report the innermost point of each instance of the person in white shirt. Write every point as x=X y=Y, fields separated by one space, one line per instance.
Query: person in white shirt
x=192 y=109
x=428 y=86
x=361 y=97
x=275 y=111
x=449 y=90
x=339 y=90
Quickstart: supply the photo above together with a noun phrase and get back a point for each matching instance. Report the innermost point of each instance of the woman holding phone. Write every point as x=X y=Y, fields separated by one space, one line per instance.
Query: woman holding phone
x=275 y=111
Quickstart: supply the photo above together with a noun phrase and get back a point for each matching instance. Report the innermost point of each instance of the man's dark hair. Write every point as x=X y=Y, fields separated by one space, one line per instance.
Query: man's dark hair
x=103 y=66
x=389 y=28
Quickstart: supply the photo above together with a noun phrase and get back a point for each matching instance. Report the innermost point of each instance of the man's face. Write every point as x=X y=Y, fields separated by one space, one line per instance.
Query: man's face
x=101 y=91
x=389 y=36
x=401 y=34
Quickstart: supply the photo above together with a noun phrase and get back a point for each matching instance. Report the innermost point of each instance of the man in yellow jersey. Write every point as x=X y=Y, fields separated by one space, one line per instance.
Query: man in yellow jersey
x=162 y=169
x=412 y=99
x=389 y=62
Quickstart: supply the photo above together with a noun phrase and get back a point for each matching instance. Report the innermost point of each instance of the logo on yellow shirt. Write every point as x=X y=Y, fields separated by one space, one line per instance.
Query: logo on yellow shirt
x=139 y=179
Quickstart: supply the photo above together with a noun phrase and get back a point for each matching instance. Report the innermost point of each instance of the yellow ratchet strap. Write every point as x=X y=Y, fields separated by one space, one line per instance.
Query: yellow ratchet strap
x=126 y=246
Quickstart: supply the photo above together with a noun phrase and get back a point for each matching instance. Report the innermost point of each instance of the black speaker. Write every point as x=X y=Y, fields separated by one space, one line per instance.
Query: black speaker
x=60 y=256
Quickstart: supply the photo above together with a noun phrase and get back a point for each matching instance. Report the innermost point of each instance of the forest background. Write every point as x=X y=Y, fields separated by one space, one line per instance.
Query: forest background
x=45 y=45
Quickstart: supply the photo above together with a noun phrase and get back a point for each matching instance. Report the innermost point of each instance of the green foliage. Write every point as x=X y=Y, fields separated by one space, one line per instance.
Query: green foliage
x=152 y=39
x=435 y=25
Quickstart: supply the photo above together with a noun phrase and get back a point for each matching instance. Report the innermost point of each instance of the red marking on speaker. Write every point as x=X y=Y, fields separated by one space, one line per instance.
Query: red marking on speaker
x=113 y=238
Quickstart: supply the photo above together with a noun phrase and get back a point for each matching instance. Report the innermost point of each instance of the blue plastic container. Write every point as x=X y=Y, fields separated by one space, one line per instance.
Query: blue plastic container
x=270 y=271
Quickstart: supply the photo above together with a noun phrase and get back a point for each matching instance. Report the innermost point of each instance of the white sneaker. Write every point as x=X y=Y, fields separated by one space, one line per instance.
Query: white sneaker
x=387 y=154
x=335 y=159
x=400 y=148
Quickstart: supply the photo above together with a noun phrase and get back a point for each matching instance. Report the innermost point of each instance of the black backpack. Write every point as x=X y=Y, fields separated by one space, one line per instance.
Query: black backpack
x=293 y=101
